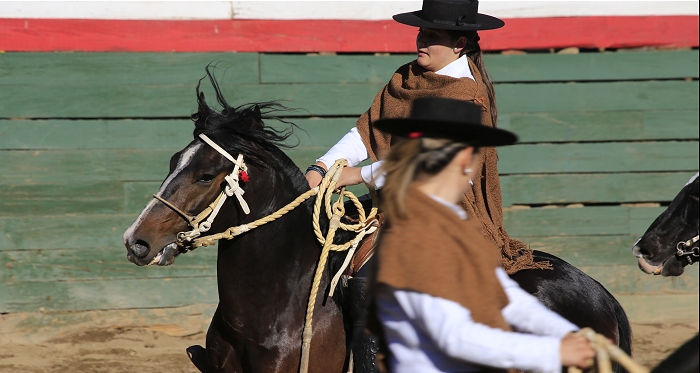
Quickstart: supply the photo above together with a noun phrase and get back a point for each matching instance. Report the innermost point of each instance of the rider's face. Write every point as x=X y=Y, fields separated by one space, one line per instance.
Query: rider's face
x=435 y=49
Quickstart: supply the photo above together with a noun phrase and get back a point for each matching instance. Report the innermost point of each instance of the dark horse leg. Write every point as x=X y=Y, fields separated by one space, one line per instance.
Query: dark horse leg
x=578 y=298
x=685 y=359
x=216 y=345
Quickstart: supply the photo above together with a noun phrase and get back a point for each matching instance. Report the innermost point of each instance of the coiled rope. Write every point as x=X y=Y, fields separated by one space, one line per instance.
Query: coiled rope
x=606 y=353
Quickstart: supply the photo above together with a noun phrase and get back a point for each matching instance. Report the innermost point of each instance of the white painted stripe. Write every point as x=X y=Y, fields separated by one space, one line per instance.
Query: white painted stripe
x=350 y=10
x=185 y=159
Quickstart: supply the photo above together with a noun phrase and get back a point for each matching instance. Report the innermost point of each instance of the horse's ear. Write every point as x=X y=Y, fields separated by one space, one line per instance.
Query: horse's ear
x=257 y=117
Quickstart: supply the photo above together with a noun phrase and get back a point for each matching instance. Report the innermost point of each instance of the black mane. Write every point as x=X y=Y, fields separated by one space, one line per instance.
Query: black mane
x=241 y=128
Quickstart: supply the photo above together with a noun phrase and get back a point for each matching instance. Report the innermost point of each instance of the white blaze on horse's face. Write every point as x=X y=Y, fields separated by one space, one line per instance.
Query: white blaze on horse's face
x=185 y=158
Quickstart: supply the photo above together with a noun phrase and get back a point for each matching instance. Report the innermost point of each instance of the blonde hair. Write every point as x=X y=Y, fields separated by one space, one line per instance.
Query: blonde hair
x=407 y=161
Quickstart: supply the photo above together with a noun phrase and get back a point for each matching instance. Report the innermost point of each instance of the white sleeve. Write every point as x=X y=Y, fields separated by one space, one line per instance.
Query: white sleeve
x=526 y=314
x=452 y=329
x=372 y=175
x=349 y=147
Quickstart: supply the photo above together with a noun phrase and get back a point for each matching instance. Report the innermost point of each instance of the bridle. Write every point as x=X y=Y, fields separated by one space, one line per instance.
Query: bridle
x=685 y=249
x=201 y=223
x=334 y=211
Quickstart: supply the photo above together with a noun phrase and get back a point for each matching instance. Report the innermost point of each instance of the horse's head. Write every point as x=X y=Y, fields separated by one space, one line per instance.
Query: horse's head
x=671 y=241
x=225 y=168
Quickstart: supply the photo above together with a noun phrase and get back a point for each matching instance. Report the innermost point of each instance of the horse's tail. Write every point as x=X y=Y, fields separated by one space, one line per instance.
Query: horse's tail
x=624 y=332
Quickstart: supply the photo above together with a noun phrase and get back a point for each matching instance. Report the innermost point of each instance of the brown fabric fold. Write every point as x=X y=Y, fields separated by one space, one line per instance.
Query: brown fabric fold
x=434 y=252
x=483 y=201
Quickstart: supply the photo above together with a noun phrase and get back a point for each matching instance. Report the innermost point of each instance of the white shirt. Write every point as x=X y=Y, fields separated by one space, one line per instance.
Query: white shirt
x=353 y=149
x=427 y=334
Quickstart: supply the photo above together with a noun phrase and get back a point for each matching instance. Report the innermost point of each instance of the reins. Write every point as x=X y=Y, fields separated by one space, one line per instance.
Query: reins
x=334 y=211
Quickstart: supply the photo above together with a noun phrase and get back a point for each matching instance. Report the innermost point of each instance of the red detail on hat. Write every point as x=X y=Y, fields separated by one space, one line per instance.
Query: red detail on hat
x=244 y=176
x=415 y=135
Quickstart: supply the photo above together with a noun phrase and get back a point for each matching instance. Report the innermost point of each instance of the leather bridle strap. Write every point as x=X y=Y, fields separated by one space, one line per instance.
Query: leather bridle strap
x=198 y=223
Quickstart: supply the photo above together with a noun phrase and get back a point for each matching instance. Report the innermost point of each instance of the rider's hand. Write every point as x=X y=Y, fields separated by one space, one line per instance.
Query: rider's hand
x=313 y=177
x=576 y=351
x=350 y=176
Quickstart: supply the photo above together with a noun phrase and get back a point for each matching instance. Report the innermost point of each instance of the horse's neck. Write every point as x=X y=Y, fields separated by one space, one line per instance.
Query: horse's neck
x=280 y=253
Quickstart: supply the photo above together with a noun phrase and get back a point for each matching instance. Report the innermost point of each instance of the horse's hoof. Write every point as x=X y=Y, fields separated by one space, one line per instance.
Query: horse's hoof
x=198 y=356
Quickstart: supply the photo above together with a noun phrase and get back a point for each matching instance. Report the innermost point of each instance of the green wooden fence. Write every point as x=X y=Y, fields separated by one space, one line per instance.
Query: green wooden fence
x=85 y=140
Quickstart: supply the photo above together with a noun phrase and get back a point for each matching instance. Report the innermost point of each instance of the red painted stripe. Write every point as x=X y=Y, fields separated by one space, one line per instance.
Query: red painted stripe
x=44 y=35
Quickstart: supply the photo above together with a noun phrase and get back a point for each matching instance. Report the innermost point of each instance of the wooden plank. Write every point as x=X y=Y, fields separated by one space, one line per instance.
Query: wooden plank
x=285 y=69
x=48 y=166
x=599 y=157
x=303 y=35
x=587 y=250
x=95 y=134
x=63 y=231
x=102 y=263
x=125 y=101
x=534 y=189
x=629 y=279
x=141 y=133
x=557 y=97
x=540 y=67
x=602 y=126
x=92 y=230
x=117 y=69
x=61 y=198
x=117 y=197
x=534 y=127
x=107 y=294
x=579 y=221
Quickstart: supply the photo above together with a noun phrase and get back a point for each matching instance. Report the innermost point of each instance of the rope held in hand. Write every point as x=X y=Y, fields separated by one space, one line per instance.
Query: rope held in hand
x=606 y=353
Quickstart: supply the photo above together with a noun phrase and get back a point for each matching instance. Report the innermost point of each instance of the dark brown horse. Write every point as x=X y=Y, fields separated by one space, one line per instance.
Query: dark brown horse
x=264 y=275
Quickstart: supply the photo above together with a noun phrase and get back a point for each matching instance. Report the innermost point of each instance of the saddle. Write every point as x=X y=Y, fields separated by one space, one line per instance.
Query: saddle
x=365 y=250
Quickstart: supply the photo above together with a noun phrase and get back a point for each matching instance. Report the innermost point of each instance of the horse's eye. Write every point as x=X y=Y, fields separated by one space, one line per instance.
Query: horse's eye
x=206 y=178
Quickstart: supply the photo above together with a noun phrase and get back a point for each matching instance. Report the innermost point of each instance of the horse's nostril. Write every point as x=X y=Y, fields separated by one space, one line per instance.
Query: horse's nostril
x=140 y=248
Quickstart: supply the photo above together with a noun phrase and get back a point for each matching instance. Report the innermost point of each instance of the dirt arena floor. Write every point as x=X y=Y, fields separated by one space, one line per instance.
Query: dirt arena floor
x=159 y=350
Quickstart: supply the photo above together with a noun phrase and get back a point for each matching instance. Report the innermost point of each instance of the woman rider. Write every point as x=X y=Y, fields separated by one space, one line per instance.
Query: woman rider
x=444 y=302
x=449 y=64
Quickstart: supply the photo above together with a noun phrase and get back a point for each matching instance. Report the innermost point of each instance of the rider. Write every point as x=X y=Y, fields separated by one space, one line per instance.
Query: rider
x=449 y=64
x=444 y=302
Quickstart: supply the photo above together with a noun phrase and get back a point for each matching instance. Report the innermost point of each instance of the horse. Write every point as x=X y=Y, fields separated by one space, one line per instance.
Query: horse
x=263 y=274
x=671 y=241
x=666 y=248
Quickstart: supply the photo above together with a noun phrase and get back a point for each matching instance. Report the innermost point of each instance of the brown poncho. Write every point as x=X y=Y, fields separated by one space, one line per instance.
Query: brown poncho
x=434 y=252
x=483 y=201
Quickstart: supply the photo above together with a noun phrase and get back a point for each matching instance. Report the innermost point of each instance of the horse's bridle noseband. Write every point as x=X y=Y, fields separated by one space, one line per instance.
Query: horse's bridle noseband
x=198 y=223
x=688 y=251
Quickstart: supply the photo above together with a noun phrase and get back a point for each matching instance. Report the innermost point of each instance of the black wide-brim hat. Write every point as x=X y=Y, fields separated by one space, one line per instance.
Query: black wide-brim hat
x=443 y=118
x=450 y=15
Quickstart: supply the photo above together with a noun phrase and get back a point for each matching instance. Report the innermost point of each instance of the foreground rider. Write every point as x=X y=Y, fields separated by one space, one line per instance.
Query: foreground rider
x=444 y=302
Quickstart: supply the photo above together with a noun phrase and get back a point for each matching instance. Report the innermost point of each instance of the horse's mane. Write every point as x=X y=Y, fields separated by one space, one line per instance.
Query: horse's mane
x=242 y=128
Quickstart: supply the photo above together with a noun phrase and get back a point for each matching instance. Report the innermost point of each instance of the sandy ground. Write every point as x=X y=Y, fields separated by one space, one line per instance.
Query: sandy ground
x=112 y=350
